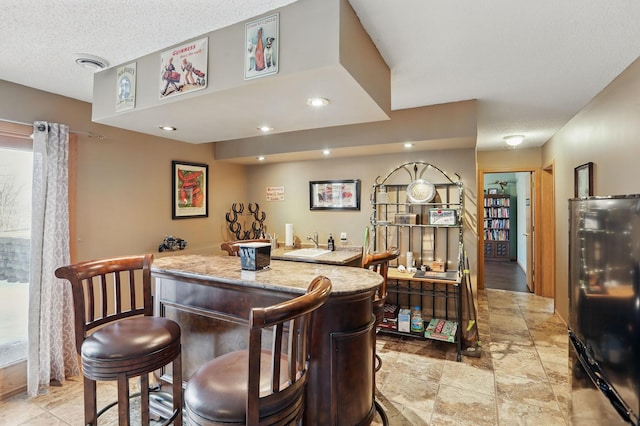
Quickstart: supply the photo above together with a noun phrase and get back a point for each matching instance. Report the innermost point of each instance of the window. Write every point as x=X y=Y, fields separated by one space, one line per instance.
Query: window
x=16 y=158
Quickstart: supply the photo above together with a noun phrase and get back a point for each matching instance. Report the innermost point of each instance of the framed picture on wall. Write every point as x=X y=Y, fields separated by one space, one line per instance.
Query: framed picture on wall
x=583 y=180
x=190 y=193
x=492 y=191
x=334 y=195
x=261 y=47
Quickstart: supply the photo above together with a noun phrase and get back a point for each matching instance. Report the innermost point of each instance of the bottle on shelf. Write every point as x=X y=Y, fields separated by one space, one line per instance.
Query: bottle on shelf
x=417 y=324
x=331 y=245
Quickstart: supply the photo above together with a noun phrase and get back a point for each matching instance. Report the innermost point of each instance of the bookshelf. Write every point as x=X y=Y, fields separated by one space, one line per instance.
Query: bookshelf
x=497 y=227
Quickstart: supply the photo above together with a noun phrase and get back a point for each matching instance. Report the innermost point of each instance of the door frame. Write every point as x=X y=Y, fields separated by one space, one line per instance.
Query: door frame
x=540 y=239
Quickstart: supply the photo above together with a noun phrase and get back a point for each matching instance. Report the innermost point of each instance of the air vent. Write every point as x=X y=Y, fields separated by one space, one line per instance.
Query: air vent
x=90 y=62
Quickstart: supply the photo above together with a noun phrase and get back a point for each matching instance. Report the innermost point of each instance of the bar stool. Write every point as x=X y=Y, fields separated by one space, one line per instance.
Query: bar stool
x=117 y=336
x=379 y=262
x=259 y=386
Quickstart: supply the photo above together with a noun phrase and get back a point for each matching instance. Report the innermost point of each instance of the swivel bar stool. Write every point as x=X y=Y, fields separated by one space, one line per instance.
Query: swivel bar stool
x=117 y=336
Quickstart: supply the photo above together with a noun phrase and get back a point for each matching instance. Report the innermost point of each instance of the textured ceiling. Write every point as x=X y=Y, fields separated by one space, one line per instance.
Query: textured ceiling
x=530 y=65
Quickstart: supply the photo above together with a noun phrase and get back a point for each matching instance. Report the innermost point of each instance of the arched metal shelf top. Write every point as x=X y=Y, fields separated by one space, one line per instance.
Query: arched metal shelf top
x=416 y=170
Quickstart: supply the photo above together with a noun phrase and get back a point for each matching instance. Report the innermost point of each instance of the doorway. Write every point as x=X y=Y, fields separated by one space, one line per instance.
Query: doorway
x=507 y=233
x=537 y=249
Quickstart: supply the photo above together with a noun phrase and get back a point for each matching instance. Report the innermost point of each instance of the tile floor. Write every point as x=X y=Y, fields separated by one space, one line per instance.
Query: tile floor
x=521 y=377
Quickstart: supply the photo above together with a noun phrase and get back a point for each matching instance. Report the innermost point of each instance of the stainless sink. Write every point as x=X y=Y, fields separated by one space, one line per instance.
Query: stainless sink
x=307 y=252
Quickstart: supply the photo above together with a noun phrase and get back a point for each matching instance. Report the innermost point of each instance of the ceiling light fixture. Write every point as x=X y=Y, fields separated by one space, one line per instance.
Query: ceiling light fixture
x=514 y=140
x=90 y=62
x=260 y=158
x=326 y=151
x=408 y=145
x=167 y=128
x=317 y=102
x=265 y=129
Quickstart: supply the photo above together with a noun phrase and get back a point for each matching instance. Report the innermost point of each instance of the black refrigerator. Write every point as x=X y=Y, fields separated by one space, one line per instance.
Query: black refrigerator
x=604 y=310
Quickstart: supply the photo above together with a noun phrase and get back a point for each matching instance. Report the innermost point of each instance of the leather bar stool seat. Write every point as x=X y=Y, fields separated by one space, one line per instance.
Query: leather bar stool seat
x=136 y=345
x=257 y=386
x=218 y=392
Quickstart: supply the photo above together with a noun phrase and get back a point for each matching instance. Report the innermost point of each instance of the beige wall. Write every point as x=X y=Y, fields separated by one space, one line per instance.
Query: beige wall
x=124 y=180
x=295 y=177
x=510 y=159
x=606 y=132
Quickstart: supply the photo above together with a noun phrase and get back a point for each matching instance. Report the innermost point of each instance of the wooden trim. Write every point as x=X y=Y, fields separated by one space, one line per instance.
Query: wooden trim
x=73 y=179
x=542 y=258
x=548 y=245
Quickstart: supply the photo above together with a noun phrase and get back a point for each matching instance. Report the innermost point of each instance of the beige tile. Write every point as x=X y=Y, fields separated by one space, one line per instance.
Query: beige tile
x=18 y=409
x=517 y=414
x=455 y=406
x=468 y=377
x=520 y=378
x=523 y=390
x=552 y=354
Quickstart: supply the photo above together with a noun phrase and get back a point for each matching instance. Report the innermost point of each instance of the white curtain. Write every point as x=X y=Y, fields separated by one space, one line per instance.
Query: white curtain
x=52 y=354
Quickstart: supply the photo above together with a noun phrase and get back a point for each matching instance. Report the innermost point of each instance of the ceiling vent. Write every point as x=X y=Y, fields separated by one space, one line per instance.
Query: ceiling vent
x=90 y=62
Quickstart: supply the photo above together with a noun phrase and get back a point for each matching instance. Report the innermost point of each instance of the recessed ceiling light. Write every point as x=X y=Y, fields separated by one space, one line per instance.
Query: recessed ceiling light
x=265 y=129
x=168 y=128
x=90 y=62
x=326 y=151
x=408 y=144
x=317 y=102
x=514 y=140
x=260 y=158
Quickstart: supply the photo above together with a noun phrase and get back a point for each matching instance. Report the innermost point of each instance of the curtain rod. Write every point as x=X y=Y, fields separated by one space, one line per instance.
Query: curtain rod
x=41 y=128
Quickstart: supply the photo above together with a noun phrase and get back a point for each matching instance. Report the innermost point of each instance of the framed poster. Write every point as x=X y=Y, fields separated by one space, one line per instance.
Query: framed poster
x=334 y=195
x=261 y=42
x=126 y=87
x=184 y=68
x=583 y=180
x=190 y=192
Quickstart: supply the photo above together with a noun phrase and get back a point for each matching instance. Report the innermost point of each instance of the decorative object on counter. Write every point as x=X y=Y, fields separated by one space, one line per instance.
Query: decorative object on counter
x=409 y=261
x=331 y=245
x=255 y=256
x=190 y=189
x=233 y=247
x=236 y=221
x=334 y=195
x=288 y=235
x=171 y=243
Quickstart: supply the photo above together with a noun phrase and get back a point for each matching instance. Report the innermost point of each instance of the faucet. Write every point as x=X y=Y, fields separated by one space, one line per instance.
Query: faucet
x=314 y=239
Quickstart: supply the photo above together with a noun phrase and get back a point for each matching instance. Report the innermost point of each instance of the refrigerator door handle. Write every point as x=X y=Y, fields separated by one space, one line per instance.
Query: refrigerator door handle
x=596 y=375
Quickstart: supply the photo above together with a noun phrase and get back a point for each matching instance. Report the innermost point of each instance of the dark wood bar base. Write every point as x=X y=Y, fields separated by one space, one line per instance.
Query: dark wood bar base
x=213 y=315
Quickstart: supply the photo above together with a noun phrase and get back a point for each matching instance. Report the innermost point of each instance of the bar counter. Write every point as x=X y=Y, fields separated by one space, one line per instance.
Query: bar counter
x=210 y=297
x=351 y=256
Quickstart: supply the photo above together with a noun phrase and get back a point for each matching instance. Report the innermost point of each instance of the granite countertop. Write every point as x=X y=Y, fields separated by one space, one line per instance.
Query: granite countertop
x=340 y=256
x=292 y=277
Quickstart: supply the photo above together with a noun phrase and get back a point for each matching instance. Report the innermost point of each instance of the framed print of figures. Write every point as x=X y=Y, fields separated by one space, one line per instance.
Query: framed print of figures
x=261 y=47
x=190 y=193
x=184 y=68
